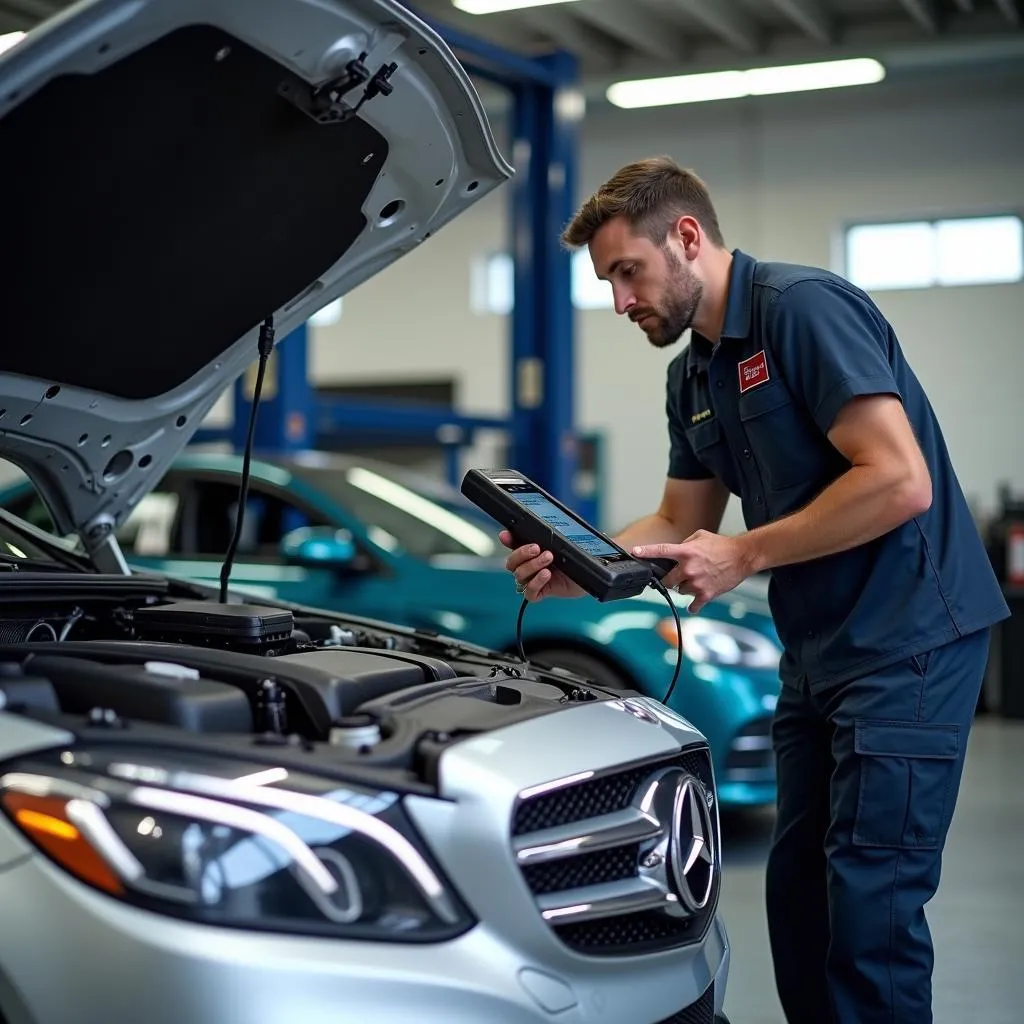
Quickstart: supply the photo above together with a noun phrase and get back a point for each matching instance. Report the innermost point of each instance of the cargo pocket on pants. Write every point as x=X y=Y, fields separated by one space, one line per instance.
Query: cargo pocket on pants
x=906 y=778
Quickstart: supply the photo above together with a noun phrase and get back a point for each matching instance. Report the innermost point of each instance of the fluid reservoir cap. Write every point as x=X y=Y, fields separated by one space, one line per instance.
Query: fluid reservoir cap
x=355 y=731
x=355 y=721
x=550 y=993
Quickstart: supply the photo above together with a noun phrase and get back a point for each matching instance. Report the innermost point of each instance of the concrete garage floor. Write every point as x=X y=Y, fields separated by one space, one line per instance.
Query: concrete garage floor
x=977 y=918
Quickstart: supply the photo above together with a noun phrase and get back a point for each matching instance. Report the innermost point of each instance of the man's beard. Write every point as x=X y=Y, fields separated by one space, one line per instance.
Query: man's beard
x=682 y=297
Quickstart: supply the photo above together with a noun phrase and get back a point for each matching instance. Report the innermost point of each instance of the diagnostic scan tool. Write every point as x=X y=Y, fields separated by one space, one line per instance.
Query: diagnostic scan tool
x=589 y=558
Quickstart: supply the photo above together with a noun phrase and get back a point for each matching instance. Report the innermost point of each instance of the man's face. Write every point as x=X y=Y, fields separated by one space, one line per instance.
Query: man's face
x=652 y=285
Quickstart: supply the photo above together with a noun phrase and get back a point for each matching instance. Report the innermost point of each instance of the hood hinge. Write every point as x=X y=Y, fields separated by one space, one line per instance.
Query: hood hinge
x=325 y=104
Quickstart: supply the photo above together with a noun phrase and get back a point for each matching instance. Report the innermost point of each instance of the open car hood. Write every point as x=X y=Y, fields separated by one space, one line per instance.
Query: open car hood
x=177 y=171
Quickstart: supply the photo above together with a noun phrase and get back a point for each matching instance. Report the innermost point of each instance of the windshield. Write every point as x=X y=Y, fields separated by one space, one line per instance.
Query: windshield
x=400 y=514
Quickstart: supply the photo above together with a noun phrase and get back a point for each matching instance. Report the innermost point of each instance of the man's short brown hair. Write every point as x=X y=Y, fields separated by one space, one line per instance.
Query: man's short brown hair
x=651 y=194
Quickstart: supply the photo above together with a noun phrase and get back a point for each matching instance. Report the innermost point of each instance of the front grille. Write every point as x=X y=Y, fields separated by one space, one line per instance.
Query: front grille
x=587 y=869
x=700 y=1012
x=601 y=795
x=599 y=867
x=649 y=931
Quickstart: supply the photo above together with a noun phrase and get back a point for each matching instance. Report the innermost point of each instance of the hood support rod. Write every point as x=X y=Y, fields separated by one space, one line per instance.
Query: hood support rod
x=104 y=550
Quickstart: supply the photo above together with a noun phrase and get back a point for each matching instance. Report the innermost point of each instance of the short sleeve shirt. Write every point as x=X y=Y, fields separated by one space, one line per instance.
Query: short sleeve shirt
x=755 y=411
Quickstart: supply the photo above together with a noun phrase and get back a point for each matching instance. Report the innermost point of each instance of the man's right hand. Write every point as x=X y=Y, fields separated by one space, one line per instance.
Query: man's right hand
x=535 y=578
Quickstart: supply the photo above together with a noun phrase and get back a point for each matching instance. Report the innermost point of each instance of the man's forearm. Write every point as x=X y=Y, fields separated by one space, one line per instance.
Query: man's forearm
x=652 y=529
x=856 y=508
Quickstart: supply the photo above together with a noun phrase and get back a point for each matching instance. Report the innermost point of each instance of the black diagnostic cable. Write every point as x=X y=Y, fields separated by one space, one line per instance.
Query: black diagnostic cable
x=663 y=590
x=265 y=348
x=519 y=631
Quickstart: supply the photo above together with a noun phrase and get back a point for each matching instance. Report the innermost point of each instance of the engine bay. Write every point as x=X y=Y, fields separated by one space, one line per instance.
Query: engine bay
x=130 y=660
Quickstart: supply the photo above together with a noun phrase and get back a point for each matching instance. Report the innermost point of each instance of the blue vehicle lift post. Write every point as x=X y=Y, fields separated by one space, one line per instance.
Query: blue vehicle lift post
x=543 y=335
x=284 y=421
x=541 y=427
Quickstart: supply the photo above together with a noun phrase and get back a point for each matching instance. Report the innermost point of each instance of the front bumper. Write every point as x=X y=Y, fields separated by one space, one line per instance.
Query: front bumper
x=119 y=965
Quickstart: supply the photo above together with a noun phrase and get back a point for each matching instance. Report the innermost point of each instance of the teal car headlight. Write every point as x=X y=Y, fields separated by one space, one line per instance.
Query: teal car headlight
x=707 y=641
x=262 y=849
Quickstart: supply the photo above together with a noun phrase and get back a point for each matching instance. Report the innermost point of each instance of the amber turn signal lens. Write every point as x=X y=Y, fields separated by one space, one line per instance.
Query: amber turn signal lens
x=666 y=629
x=44 y=819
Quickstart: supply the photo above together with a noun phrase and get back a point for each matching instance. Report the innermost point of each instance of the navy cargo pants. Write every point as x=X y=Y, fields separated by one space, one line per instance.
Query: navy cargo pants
x=868 y=775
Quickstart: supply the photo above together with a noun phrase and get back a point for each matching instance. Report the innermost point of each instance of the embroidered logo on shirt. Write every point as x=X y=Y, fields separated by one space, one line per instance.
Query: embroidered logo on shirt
x=697 y=417
x=753 y=371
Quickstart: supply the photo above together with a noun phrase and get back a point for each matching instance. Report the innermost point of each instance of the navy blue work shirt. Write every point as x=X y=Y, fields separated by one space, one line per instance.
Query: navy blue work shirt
x=755 y=410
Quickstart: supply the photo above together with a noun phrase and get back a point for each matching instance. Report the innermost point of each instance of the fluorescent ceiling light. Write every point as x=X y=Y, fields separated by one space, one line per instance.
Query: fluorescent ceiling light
x=725 y=85
x=494 y=6
x=8 y=39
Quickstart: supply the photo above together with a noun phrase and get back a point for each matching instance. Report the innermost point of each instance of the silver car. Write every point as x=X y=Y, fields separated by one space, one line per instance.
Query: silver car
x=216 y=811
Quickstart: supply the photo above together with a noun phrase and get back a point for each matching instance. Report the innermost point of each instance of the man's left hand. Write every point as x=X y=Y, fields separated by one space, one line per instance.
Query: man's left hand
x=708 y=565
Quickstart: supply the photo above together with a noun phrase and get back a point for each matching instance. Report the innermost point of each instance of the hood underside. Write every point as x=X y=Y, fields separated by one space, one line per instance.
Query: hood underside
x=178 y=171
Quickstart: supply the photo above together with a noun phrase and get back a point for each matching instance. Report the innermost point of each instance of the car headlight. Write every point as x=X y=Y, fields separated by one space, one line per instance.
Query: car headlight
x=258 y=848
x=721 y=643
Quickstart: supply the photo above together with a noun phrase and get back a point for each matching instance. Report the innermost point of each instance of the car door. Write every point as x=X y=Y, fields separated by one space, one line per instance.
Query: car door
x=209 y=503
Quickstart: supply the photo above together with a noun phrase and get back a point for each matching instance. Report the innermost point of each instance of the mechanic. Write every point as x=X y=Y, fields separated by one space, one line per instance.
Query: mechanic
x=793 y=393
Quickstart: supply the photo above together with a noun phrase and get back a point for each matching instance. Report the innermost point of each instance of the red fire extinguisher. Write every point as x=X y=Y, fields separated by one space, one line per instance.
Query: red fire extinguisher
x=1015 y=554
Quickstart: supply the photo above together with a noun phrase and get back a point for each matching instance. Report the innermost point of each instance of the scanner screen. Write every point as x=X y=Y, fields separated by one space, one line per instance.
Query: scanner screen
x=571 y=529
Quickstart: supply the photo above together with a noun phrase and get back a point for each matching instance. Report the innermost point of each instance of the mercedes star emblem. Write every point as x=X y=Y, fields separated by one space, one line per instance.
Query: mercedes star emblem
x=681 y=861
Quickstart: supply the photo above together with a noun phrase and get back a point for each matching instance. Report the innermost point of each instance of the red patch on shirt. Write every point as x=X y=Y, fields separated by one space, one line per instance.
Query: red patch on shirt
x=753 y=371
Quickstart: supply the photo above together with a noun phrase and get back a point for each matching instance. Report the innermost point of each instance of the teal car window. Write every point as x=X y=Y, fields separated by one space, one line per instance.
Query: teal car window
x=150 y=531
x=421 y=525
x=268 y=516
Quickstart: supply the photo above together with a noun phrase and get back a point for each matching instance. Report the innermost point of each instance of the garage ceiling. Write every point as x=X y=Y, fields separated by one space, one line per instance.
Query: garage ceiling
x=616 y=39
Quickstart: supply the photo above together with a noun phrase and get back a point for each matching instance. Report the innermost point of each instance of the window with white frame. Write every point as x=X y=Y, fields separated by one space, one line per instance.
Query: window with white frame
x=935 y=253
x=492 y=284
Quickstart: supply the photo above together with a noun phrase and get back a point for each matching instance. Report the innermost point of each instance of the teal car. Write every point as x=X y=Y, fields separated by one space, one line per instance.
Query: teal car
x=369 y=539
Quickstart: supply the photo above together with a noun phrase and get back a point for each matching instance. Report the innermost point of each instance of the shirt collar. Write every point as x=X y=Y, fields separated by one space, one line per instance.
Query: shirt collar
x=737 y=311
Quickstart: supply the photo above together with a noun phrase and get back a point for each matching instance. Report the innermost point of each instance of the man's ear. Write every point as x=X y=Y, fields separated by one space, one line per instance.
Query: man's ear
x=690 y=236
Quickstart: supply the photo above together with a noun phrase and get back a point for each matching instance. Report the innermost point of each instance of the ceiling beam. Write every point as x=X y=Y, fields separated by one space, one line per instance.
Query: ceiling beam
x=589 y=47
x=726 y=20
x=638 y=28
x=924 y=12
x=810 y=18
x=1011 y=10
